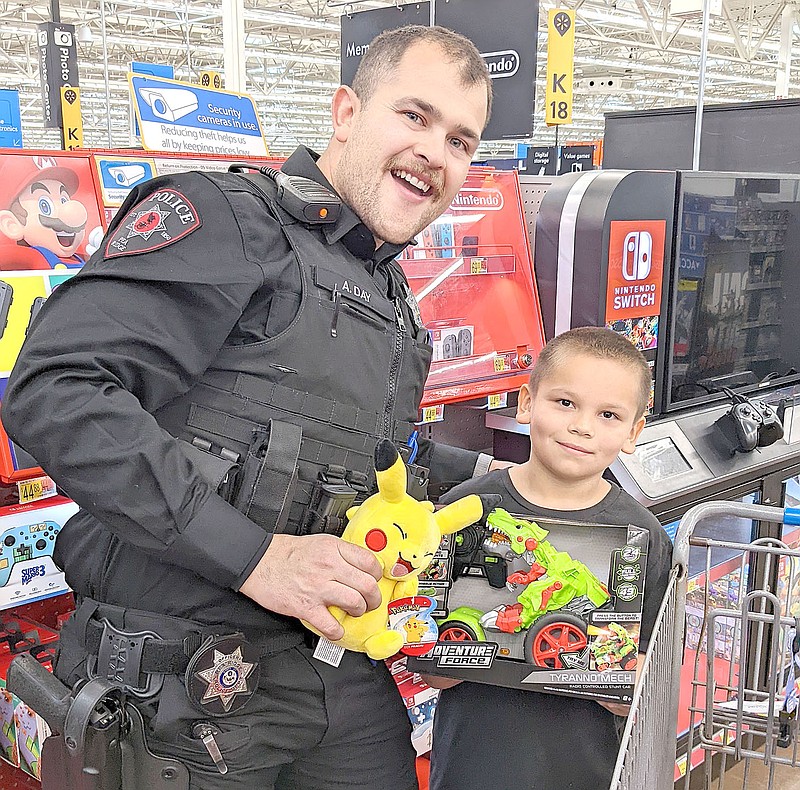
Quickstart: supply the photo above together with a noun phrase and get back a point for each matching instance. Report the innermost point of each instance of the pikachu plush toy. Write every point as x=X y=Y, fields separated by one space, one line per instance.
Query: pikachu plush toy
x=404 y=534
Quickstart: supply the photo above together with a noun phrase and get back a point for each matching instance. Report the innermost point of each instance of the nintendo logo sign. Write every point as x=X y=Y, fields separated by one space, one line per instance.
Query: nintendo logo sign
x=501 y=64
x=484 y=199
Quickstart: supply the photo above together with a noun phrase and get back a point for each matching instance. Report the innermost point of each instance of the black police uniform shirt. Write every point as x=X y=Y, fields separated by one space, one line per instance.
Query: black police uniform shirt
x=127 y=335
x=489 y=736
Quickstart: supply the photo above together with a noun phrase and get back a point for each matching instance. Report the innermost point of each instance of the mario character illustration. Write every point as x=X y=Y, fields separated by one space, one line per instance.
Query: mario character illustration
x=42 y=216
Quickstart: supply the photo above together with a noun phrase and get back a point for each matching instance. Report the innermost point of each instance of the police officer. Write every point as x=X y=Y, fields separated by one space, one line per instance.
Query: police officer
x=209 y=389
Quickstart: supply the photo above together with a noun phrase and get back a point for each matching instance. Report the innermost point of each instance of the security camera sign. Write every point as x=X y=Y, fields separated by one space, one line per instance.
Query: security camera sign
x=178 y=116
x=119 y=175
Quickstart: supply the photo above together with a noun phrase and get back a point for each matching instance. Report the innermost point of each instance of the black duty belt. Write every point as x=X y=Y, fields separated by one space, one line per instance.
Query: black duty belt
x=221 y=672
x=130 y=655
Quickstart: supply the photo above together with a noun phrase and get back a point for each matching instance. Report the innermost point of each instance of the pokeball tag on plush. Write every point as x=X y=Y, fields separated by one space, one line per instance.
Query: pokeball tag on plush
x=413 y=618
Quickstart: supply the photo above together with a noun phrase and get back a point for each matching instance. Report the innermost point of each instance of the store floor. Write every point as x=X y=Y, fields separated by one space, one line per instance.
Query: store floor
x=786 y=777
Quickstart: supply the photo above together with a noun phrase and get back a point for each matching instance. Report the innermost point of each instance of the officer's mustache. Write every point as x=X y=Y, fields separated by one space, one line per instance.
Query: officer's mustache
x=59 y=226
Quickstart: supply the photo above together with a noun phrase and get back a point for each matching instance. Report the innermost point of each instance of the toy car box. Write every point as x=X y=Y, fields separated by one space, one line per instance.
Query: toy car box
x=543 y=605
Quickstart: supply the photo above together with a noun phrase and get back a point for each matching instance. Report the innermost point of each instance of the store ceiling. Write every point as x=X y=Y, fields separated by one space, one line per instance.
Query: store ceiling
x=630 y=54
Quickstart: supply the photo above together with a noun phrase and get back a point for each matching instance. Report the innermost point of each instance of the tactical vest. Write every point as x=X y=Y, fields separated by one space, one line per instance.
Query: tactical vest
x=271 y=421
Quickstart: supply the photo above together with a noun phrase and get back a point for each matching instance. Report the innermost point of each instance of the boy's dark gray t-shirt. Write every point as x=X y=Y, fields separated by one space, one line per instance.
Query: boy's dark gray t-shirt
x=492 y=737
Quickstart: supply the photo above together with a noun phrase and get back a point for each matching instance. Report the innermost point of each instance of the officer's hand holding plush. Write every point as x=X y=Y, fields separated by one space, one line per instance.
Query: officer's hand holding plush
x=404 y=534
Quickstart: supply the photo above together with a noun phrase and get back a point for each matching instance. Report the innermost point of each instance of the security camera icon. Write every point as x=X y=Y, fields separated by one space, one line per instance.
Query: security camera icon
x=127 y=175
x=170 y=104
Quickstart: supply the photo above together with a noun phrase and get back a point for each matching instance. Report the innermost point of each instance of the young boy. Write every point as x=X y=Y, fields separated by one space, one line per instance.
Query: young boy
x=585 y=403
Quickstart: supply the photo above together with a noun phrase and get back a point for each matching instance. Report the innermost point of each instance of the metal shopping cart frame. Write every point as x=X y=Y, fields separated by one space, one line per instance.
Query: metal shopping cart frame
x=723 y=708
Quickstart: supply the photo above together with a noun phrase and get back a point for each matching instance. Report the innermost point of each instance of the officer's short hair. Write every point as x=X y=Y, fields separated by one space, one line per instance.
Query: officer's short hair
x=593 y=341
x=386 y=51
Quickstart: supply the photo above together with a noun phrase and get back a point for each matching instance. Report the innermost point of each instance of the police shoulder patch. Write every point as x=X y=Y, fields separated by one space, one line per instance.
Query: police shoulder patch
x=159 y=220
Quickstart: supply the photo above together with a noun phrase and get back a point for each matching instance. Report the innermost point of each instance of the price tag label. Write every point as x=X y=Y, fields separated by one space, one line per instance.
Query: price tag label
x=500 y=364
x=36 y=489
x=478 y=265
x=498 y=401
x=433 y=413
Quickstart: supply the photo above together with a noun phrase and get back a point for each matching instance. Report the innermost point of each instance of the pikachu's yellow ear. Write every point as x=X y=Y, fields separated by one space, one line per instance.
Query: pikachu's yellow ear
x=459 y=514
x=390 y=472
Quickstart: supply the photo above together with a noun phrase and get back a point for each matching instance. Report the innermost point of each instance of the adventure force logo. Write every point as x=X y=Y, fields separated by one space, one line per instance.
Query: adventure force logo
x=161 y=219
x=472 y=654
x=635 y=269
x=484 y=199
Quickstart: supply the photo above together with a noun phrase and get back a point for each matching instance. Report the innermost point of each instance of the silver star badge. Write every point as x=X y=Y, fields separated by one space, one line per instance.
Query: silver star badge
x=226 y=677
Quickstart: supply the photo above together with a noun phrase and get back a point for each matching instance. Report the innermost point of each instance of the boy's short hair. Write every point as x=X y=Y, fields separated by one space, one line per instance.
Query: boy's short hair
x=387 y=49
x=593 y=341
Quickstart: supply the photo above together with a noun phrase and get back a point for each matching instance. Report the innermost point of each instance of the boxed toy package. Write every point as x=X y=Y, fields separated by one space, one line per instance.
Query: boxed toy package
x=451 y=339
x=27 y=538
x=22 y=732
x=543 y=605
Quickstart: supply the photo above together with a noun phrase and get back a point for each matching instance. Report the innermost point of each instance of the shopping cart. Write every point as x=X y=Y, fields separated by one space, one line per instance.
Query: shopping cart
x=740 y=710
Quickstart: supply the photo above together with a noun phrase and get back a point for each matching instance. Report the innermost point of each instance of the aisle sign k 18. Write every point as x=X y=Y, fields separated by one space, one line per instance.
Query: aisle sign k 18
x=560 y=66
x=72 y=130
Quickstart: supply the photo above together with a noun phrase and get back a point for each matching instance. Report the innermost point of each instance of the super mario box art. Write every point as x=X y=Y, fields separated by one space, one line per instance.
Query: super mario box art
x=543 y=605
x=49 y=212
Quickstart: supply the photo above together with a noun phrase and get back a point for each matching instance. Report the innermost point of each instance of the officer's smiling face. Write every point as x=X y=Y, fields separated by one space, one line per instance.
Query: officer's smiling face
x=406 y=151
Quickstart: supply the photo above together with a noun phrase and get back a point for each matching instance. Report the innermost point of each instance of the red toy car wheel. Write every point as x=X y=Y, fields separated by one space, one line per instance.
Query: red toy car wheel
x=456 y=631
x=552 y=635
x=629 y=663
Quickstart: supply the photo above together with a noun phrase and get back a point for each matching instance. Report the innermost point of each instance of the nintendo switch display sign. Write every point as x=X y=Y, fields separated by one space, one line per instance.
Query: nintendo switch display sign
x=635 y=268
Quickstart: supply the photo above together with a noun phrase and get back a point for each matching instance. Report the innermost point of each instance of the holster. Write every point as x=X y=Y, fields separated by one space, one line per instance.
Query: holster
x=98 y=737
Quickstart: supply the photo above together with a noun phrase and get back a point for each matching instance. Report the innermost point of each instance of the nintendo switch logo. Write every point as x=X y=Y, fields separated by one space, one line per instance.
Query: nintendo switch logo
x=637 y=255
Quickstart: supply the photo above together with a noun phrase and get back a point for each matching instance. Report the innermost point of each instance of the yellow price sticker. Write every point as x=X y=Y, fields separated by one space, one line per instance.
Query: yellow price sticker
x=497 y=401
x=433 y=413
x=478 y=266
x=499 y=364
x=36 y=489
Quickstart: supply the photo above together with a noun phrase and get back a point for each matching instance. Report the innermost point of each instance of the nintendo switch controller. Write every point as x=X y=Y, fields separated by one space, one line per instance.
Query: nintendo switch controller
x=739 y=427
x=25 y=544
x=771 y=428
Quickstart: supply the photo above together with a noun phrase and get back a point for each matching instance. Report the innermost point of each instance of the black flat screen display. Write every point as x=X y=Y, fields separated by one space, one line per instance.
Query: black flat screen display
x=736 y=284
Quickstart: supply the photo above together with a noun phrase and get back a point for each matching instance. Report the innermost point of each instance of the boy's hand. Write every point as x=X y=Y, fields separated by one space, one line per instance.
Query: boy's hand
x=496 y=463
x=617 y=708
x=438 y=682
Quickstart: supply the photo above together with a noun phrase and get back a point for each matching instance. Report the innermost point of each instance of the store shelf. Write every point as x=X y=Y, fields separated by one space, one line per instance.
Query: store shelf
x=468 y=265
x=12 y=778
x=759 y=324
x=764 y=286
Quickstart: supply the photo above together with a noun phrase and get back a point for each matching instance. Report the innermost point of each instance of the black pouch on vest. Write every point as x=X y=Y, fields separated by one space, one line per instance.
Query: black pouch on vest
x=220 y=471
x=268 y=476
